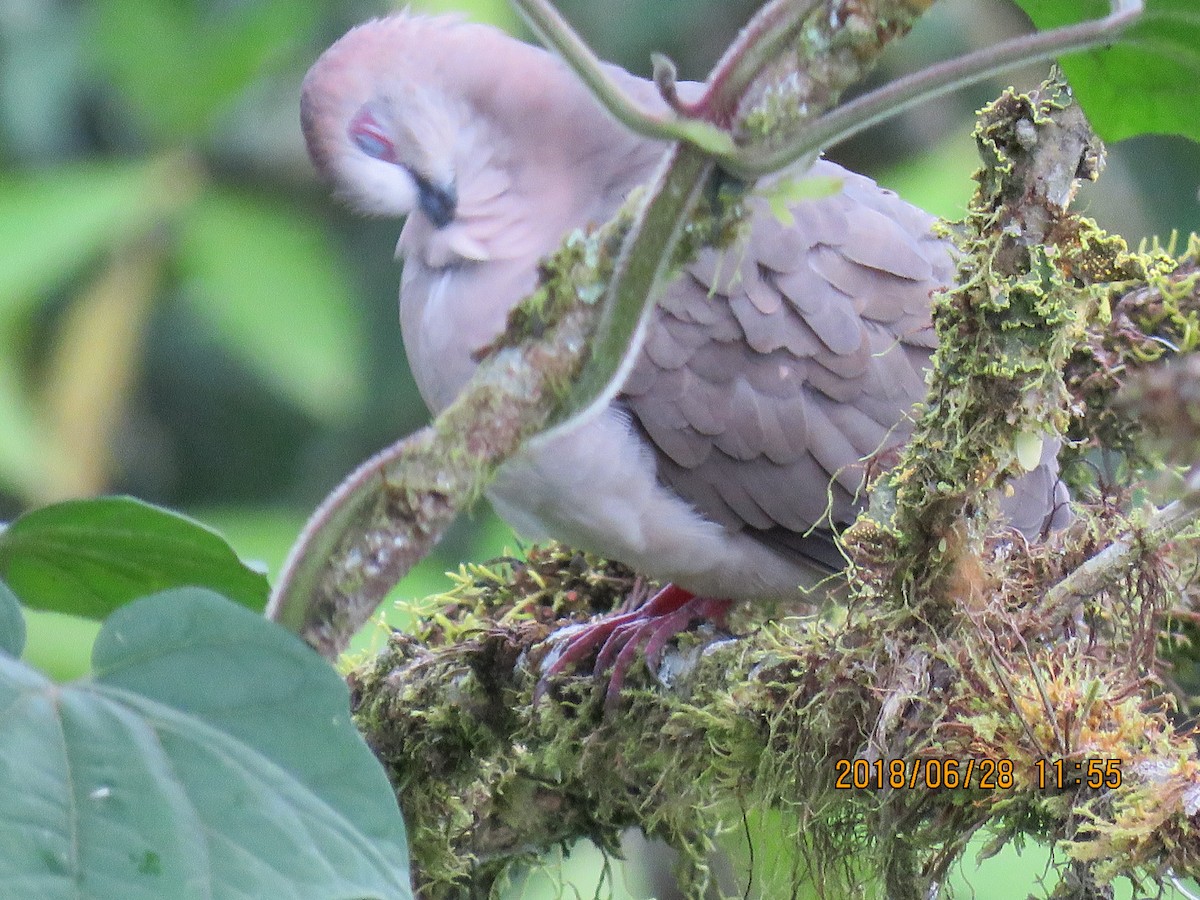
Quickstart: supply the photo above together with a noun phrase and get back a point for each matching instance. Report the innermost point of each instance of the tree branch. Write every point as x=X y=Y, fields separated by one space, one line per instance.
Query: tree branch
x=932 y=82
x=950 y=655
x=1121 y=557
x=776 y=721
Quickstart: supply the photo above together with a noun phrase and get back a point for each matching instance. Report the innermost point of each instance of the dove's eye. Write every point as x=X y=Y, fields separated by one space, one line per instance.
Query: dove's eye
x=370 y=138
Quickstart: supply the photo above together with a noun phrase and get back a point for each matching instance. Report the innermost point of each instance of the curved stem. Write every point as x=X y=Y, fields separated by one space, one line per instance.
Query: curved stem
x=756 y=46
x=646 y=257
x=555 y=32
x=935 y=81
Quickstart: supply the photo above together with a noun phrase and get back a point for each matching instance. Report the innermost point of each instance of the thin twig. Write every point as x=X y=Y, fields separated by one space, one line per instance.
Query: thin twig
x=555 y=32
x=757 y=45
x=1115 y=560
x=899 y=96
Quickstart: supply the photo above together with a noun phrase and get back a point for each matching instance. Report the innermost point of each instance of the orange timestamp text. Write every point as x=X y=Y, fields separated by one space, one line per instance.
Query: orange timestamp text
x=1095 y=773
x=985 y=774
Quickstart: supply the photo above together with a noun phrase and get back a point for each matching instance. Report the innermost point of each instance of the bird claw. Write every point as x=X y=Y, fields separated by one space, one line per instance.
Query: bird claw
x=617 y=638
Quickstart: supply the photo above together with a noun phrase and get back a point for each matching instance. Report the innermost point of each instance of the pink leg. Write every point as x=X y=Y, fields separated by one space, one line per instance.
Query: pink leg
x=656 y=633
x=698 y=609
x=619 y=636
x=635 y=624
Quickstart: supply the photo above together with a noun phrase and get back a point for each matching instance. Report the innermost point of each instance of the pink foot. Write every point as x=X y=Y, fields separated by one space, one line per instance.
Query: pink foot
x=619 y=636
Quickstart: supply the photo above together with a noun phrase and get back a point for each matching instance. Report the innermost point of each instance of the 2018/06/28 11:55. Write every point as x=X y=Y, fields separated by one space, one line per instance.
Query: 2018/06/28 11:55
x=984 y=774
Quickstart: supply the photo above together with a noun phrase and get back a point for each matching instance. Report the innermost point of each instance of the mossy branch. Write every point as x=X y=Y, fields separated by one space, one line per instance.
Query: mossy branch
x=956 y=647
x=773 y=720
x=1005 y=332
x=938 y=80
x=388 y=514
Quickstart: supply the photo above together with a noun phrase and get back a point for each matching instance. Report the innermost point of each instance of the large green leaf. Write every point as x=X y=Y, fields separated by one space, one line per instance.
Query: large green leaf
x=53 y=222
x=179 y=64
x=1148 y=82
x=88 y=557
x=211 y=755
x=275 y=292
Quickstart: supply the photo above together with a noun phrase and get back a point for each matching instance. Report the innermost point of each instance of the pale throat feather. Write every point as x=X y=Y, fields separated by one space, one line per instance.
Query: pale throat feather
x=439 y=334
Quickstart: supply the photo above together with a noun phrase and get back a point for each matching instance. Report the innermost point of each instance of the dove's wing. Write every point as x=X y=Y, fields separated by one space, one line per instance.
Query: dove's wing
x=779 y=369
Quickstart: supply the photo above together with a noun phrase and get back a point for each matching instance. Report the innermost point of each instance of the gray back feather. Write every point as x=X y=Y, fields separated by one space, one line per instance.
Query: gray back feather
x=776 y=371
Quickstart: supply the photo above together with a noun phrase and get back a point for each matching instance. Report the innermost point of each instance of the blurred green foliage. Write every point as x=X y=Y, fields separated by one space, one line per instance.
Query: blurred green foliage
x=186 y=316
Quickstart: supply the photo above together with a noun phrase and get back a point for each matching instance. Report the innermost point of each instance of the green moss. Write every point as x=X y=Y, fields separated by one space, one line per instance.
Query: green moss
x=716 y=224
x=1148 y=311
x=942 y=648
x=1021 y=309
x=579 y=270
x=830 y=53
x=761 y=724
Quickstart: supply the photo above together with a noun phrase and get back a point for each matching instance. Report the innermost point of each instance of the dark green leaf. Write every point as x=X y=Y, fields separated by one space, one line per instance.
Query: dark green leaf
x=275 y=293
x=210 y=756
x=88 y=557
x=1147 y=82
x=12 y=623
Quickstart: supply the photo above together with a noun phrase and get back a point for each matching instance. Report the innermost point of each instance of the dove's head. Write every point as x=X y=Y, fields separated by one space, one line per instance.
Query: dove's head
x=493 y=145
x=380 y=120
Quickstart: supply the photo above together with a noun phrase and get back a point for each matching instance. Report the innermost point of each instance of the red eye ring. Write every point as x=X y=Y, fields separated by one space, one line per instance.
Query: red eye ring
x=369 y=136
